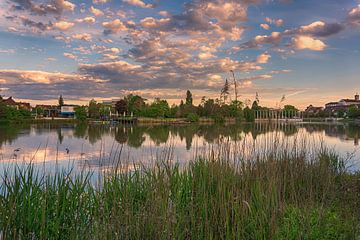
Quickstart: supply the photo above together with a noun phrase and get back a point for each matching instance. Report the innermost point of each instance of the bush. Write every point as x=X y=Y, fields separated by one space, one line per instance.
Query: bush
x=81 y=113
x=192 y=117
x=218 y=119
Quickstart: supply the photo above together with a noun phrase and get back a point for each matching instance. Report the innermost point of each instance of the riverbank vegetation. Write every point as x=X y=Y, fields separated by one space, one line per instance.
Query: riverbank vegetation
x=12 y=114
x=283 y=190
x=216 y=109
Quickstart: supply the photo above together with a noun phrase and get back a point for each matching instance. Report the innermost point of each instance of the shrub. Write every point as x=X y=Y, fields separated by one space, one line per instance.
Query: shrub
x=192 y=117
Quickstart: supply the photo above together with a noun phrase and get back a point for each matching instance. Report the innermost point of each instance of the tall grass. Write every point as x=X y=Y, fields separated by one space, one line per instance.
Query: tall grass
x=280 y=190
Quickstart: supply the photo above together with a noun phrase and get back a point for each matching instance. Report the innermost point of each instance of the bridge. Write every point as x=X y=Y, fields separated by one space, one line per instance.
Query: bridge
x=278 y=115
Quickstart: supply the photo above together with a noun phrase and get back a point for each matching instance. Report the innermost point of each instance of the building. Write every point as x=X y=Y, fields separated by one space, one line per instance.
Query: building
x=47 y=110
x=18 y=105
x=313 y=111
x=111 y=103
x=343 y=104
x=67 y=111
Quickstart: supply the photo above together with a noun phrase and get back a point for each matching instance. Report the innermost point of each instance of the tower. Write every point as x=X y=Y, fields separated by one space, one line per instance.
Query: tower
x=356 y=97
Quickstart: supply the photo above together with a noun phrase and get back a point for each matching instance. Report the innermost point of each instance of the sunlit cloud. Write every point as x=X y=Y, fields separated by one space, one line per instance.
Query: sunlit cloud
x=306 y=42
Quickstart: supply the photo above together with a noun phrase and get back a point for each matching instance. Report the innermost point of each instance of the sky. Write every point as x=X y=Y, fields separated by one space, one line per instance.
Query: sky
x=305 y=50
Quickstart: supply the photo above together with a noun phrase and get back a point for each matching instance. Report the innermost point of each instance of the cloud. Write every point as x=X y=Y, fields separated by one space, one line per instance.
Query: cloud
x=306 y=42
x=263 y=58
x=139 y=3
x=12 y=29
x=70 y=55
x=96 y=12
x=114 y=26
x=126 y=74
x=273 y=39
x=54 y=7
x=205 y=55
x=164 y=14
x=63 y=25
x=100 y=1
x=82 y=36
x=39 y=26
x=354 y=15
x=151 y=22
x=278 y=22
x=317 y=29
x=89 y=20
x=265 y=26
x=30 y=77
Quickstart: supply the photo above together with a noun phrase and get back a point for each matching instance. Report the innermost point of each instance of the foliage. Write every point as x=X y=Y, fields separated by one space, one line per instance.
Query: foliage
x=121 y=106
x=279 y=194
x=249 y=115
x=135 y=104
x=192 y=117
x=354 y=112
x=158 y=108
x=9 y=113
x=189 y=98
x=81 y=113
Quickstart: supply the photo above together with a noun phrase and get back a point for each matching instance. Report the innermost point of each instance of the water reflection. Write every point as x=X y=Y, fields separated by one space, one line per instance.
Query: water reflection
x=81 y=142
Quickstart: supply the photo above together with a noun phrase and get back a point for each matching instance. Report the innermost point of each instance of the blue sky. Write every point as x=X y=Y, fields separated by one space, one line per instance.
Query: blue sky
x=306 y=50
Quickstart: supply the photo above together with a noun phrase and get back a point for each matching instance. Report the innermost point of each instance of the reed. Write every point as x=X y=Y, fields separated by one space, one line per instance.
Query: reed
x=281 y=190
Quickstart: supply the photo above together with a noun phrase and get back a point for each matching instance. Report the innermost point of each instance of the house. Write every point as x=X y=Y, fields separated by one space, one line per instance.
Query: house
x=68 y=111
x=312 y=111
x=343 y=104
x=18 y=105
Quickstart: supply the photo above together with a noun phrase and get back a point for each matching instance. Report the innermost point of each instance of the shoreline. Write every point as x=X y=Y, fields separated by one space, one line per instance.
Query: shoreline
x=170 y=121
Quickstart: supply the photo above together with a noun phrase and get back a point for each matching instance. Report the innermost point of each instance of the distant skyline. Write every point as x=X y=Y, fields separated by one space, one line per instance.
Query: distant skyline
x=307 y=50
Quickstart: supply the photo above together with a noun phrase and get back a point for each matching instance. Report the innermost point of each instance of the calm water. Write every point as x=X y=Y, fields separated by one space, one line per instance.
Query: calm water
x=99 y=147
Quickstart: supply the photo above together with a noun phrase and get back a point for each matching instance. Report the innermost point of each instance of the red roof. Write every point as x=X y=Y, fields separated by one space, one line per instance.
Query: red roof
x=9 y=101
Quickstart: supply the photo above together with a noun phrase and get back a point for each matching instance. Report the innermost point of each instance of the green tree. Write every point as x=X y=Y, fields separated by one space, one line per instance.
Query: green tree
x=81 y=113
x=354 y=112
x=135 y=104
x=94 y=110
x=159 y=108
x=104 y=111
x=189 y=98
x=249 y=115
x=290 y=110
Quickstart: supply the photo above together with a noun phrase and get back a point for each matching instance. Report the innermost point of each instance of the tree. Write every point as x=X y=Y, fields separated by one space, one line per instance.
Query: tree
x=290 y=110
x=93 y=109
x=135 y=103
x=159 y=108
x=189 y=99
x=249 y=115
x=225 y=91
x=255 y=105
x=80 y=113
x=121 y=106
x=61 y=101
x=354 y=112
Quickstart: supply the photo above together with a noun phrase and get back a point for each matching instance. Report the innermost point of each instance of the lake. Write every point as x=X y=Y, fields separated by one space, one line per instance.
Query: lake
x=100 y=147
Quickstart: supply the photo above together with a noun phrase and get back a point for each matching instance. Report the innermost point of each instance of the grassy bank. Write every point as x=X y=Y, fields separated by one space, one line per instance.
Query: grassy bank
x=202 y=120
x=231 y=192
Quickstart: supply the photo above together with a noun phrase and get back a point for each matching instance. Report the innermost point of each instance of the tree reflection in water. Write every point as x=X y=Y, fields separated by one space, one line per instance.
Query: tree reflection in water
x=135 y=136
